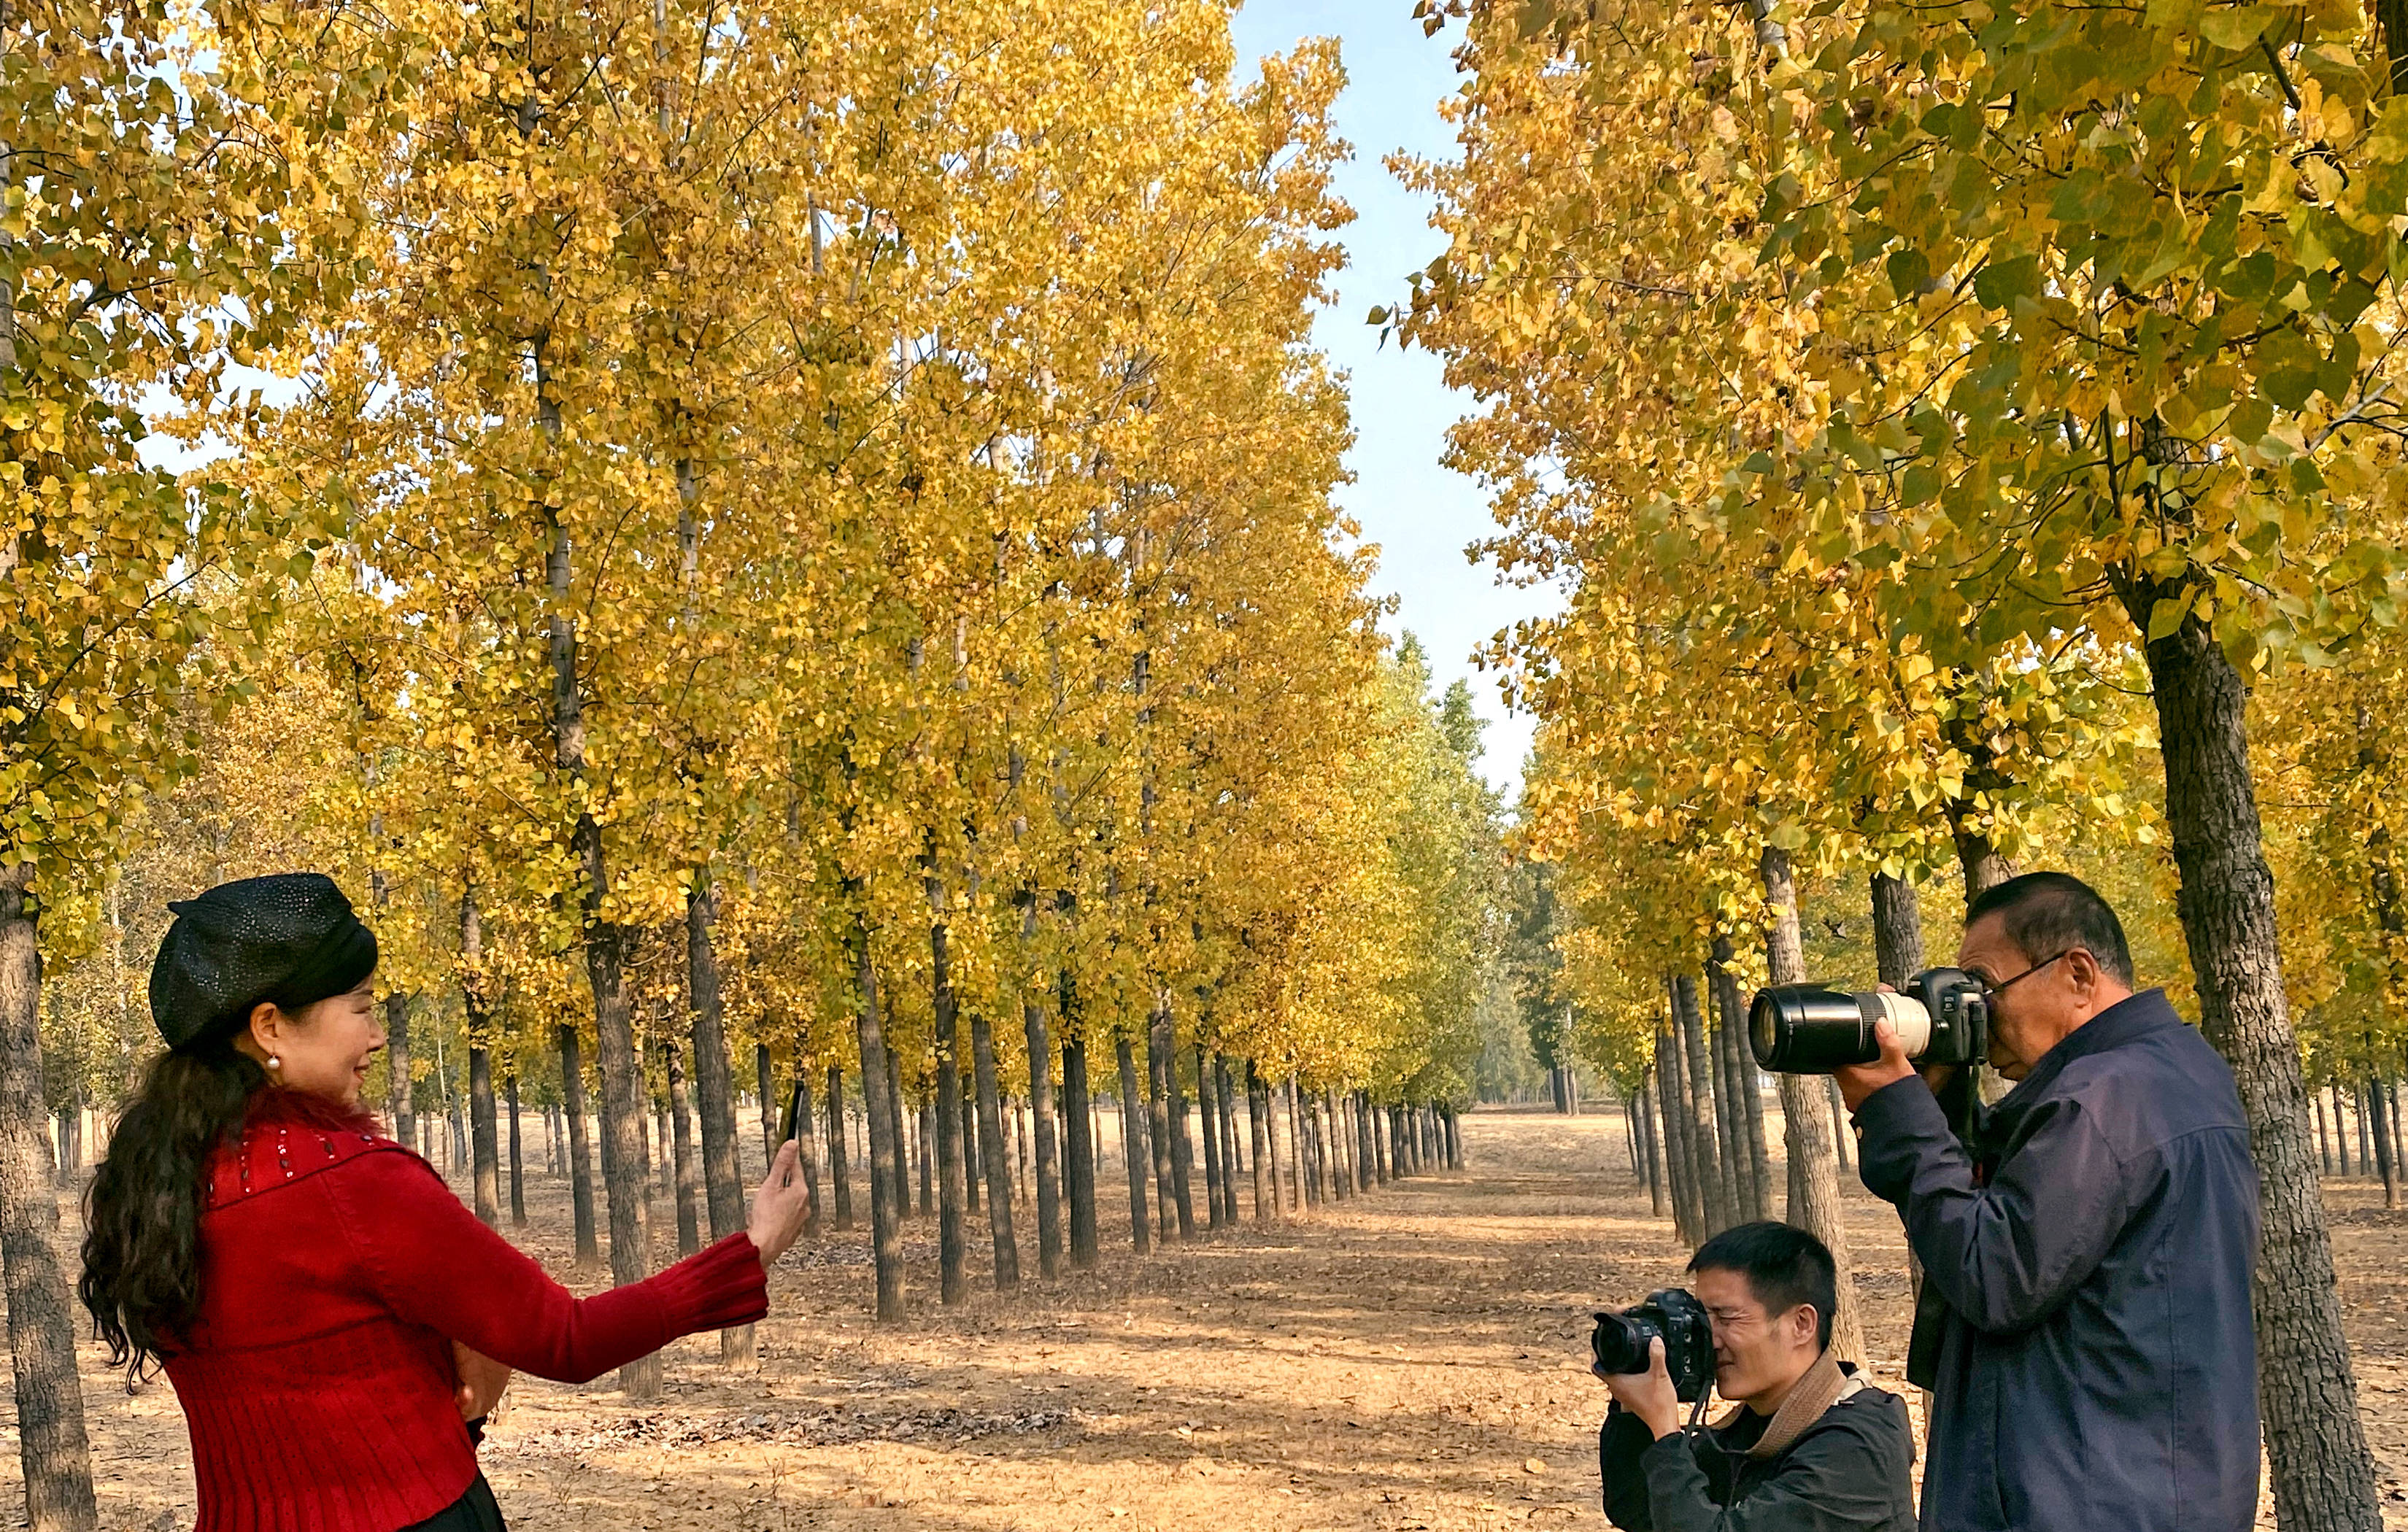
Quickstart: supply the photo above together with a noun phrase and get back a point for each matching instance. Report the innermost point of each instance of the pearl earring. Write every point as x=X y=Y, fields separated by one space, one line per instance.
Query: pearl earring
x=274 y=1062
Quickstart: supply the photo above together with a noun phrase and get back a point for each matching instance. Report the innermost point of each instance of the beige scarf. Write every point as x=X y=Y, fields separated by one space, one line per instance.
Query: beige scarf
x=1823 y=1386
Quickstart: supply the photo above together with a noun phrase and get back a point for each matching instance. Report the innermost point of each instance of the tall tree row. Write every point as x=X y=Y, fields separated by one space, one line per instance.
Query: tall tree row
x=1925 y=381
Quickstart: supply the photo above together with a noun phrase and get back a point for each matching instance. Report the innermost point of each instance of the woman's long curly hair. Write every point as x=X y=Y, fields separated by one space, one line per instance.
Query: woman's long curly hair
x=142 y=1215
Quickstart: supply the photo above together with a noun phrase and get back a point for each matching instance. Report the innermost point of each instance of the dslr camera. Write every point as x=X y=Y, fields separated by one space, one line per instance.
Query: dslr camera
x=1672 y=1316
x=1942 y=1016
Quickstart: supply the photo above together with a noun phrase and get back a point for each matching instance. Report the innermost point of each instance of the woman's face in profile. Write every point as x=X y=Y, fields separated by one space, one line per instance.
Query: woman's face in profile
x=327 y=1048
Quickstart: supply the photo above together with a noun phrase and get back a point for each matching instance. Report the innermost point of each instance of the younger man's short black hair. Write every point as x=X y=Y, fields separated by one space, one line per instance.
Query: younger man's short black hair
x=1785 y=1267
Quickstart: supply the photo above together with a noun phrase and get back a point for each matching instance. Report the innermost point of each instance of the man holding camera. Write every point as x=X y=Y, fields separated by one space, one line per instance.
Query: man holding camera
x=2087 y=1244
x=1810 y=1448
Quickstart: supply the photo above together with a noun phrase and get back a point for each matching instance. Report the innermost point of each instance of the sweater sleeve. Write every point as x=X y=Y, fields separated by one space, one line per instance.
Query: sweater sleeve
x=432 y=1262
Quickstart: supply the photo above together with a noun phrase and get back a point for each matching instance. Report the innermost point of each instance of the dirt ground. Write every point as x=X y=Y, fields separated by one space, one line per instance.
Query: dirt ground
x=1414 y=1358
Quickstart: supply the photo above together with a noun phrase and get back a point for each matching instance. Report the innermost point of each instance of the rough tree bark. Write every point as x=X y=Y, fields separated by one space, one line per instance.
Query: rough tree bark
x=1049 y=1167
x=1230 y=1163
x=1813 y=1169
x=1133 y=1152
x=839 y=1147
x=2315 y=1437
x=953 y=1188
x=485 y=1159
x=765 y=1083
x=581 y=1156
x=1711 y=1083
x=689 y=1216
x=1650 y=1150
x=1697 y=1091
x=714 y=1081
x=992 y=1150
x=51 y=1446
x=1204 y=1100
x=885 y=1157
x=1078 y=1153
x=1257 y=1112
x=401 y=1105
x=518 y=1171
x=1170 y=1226
x=1751 y=1099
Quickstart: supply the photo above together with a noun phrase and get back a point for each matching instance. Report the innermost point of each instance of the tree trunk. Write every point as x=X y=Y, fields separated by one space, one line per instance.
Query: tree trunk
x=1676 y=1169
x=1367 y=1155
x=1078 y=1157
x=2383 y=1163
x=953 y=1176
x=2324 y=1143
x=2341 y=1131
x=1697 y=1074
x=1258 y=1109
x=714 y=1081
x=992 y=1150
x=399 y=1091
x=581 y=1156
x=973 y=1162
x=1298 y=1191
x=806 y=1127
x=1813 y=1172
x=485 y=1164
x=1168 y=1225
x=51 y=1446
x=1843 y=1139
x=1453 y=1121
x=624 y=1184
x=886 y=1187
x=1750 y=1097
x=1049 y=1167
x=839 y=1143
x=1716 y=1096
x=518 y=1174
x=1652 y=1150
x=769 y=1123
x=2365 y=1141
x=1205 y=1101
x=486 y=1172
x=689 y=1216
x=1898 y=931
x=1133 y=1152
x=901 y=1162
x=2315 y=1438
x=1183 y=1147
x=1230 y=1167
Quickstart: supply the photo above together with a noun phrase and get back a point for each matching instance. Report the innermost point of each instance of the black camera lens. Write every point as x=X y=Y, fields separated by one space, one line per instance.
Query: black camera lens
x=1620 y=1343
x=1793 y=1029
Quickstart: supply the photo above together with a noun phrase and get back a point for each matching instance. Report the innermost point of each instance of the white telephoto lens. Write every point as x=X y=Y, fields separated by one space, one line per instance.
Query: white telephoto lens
x=1912 y=1022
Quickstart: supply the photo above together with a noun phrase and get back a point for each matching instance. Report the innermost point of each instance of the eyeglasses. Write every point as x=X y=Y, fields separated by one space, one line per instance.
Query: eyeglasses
x=1992 y=991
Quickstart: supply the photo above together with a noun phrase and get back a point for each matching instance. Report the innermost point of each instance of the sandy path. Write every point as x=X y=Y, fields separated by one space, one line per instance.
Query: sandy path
x=1414 y=1358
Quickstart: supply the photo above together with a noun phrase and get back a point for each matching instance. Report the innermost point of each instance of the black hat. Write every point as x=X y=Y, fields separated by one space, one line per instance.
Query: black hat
x=290 y=940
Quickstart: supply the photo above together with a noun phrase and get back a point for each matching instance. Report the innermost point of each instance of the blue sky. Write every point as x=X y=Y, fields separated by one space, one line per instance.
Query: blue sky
x=1419 y=514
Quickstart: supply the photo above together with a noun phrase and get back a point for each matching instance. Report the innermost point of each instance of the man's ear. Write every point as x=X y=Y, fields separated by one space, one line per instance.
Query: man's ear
x=1804 y=1325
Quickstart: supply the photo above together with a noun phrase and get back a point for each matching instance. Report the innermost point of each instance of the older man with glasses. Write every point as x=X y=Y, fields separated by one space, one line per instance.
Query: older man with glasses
x=2084 y=1319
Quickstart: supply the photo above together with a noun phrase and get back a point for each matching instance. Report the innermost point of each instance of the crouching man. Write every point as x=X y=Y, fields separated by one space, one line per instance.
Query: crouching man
x=1810 y=1448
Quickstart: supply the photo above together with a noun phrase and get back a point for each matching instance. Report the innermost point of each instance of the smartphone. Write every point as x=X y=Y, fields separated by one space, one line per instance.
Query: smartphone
x=794 y=1112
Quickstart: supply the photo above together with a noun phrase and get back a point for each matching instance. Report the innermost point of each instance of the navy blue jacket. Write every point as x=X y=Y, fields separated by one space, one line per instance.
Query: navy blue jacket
x=2096 y=1363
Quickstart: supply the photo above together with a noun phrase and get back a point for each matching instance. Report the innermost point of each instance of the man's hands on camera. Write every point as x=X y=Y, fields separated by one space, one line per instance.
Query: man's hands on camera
x=1649 y=1395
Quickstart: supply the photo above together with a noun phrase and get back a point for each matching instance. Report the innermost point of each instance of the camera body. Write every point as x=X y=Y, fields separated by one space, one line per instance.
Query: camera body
x=1672 y=1316
x=1942 y=1016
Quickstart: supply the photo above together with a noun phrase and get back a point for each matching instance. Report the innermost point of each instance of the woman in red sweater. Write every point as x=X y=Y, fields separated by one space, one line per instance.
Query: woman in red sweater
x=328 y=1312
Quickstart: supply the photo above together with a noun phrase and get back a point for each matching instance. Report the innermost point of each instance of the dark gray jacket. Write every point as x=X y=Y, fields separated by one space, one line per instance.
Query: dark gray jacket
x=1850 y=1472
x=2096 y=1367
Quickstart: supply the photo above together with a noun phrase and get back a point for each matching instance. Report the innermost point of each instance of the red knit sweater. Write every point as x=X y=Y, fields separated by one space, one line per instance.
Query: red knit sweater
x=336 y=1271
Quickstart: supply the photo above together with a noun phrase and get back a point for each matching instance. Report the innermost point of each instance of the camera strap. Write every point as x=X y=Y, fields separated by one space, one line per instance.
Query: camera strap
x=1824 y=1384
